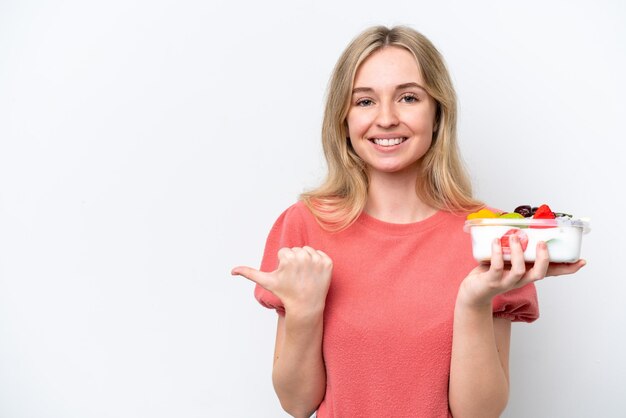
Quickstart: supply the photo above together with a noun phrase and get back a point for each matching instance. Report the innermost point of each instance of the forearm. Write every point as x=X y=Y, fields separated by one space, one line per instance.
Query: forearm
x=299 y=375
x=478 y=379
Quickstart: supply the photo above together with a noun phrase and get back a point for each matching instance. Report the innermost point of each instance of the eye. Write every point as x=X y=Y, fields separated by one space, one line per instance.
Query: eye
x=364 y=102
x=410 y=98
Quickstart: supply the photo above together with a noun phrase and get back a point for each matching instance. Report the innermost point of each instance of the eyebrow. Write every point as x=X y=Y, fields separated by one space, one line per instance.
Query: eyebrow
x=398 y=87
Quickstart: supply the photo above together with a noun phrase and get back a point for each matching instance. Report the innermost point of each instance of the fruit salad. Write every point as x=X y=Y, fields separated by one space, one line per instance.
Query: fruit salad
x=560 y=231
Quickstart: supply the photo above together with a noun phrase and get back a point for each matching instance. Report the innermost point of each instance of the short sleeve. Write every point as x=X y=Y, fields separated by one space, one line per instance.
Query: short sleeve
x=288 y=231
x=518 y=305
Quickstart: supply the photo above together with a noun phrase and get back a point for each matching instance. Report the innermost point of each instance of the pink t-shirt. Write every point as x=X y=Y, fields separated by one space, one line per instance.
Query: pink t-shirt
x=389 y=311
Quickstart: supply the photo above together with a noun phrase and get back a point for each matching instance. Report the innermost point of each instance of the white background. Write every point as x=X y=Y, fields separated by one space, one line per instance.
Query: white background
x=147 y=147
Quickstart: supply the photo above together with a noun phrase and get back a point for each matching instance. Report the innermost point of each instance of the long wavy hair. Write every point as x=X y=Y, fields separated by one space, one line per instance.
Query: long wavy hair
x=443 y=182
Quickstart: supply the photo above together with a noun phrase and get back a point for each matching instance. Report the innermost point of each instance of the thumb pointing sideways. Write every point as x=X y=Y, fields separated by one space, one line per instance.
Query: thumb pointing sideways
x=258 y=277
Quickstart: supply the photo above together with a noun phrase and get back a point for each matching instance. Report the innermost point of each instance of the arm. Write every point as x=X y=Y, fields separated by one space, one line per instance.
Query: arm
x=299 y=375
x=301 y=282
x=479 y=369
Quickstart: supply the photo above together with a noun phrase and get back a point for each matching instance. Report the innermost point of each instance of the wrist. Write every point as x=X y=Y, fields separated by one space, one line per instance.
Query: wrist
x=472 y=309
x=466 y=299
x=304 y=325
x=304 y=315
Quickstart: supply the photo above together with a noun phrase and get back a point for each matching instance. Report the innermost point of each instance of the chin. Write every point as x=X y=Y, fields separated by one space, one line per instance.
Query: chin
x=395 y=168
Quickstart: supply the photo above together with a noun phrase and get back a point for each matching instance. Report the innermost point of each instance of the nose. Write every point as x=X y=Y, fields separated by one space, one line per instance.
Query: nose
x=387 y=115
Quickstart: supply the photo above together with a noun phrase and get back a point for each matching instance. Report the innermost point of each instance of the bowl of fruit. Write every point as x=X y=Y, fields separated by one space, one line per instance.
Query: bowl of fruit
x=560 y=231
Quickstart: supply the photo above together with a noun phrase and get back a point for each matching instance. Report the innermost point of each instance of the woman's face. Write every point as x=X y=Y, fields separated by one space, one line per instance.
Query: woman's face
x=391 y=116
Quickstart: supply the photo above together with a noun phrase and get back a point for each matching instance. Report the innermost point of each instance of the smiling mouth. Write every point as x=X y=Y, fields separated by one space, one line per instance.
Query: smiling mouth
x=388 y=142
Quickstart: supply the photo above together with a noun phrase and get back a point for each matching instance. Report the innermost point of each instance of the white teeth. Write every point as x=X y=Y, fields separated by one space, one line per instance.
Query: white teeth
x=388 y=142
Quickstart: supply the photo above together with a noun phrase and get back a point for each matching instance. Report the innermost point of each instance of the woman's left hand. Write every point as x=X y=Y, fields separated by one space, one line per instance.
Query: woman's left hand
x=486 y=281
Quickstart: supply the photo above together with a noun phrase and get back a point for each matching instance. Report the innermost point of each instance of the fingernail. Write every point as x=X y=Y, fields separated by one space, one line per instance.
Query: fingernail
x=514 y=238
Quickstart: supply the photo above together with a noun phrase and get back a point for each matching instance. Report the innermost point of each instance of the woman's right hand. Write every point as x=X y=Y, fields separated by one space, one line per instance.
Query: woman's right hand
x=301 y=280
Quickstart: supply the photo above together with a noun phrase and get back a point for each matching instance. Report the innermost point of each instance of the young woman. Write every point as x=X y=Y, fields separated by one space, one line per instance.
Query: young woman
x=383 y=312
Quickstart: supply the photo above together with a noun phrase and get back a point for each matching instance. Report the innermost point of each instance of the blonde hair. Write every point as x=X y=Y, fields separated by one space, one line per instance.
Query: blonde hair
x=443 y=182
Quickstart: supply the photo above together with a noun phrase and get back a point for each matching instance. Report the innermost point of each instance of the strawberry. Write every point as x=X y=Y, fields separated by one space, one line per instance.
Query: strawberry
x=504 y=240
x=544 y=212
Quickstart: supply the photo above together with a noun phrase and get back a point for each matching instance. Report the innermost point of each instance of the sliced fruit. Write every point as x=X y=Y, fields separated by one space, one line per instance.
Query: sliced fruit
x=511 y=215
x=481 y=214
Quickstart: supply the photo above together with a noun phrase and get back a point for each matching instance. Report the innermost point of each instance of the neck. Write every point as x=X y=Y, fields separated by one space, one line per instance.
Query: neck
x=392 y=197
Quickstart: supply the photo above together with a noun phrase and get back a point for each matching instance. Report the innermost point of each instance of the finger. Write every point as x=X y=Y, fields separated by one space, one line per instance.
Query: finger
x=497 y=260
x=261 y=278
x=542 y=262
x=518 y=265
x=322 y=253
x=315 y=256
x=325 y=257
x=299 y=253
x=286 y=253
x=540 y=266
x=309 y=250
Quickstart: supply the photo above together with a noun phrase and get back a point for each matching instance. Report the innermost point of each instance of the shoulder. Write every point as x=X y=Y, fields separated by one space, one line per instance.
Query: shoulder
x=297 y=214
x=455 y=220
x=300 y=210
x=294 y=226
